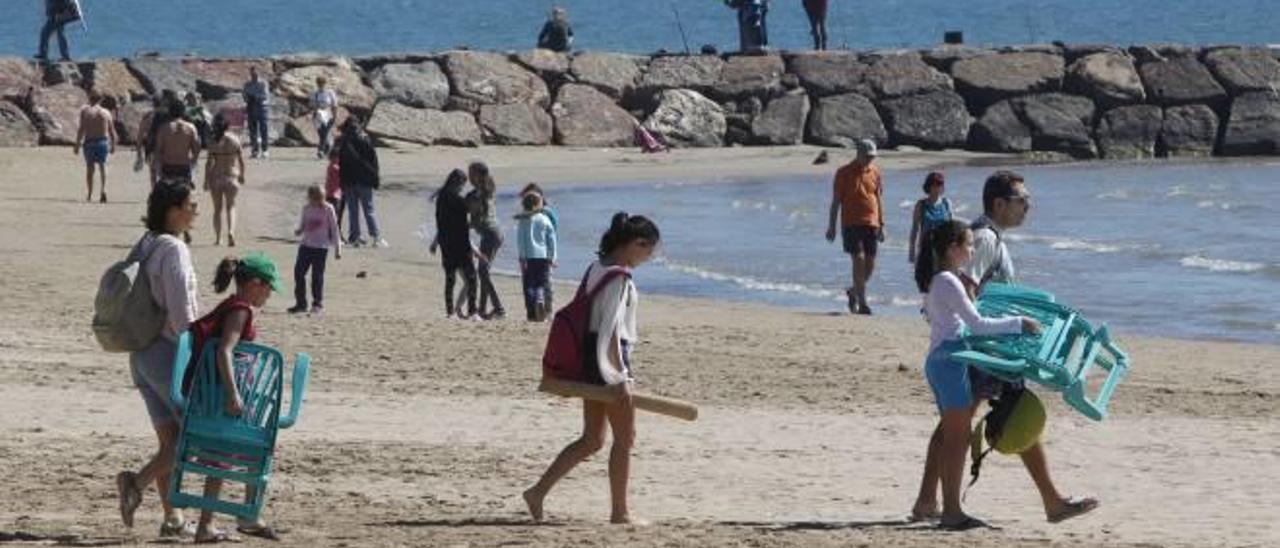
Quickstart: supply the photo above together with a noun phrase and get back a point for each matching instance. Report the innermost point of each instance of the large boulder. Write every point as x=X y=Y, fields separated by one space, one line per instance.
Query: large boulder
x=843 y=120
x=750 y=76
x=16 y=76
x=111 y=78
x=221 y=78
x=1059 y=123
x=686 y=118
x=987 y=79
x=64 y=72
x=301 y=130
x=937 y=119
x=288 y=61
x=299 y=83
x=56 y=112
x=1001 y=129
x=1129 y=132
x=613 y=73
x=392 y=120
x=550 y=65
x=1189 y=130
x=586 y=117
x=278 y=117
x=1075 y=52
x=696 y=72
x=16 y=130
x=1180 y=81
x=515 y=124
x=158 y=74
x=904 y=74
x=421 y=85
x=1254 y=125
x=825 y=73
x=371 y=62
x=1109 y=78
x=492 y=79
x=128 y=117
x=1243 y=70
x=945 y=57
x=782 y=122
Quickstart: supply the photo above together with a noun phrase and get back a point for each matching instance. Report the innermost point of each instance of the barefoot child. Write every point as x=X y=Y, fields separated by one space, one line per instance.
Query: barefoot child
x=319 y=230
x=611 y=332
x=256 y=278
x=536 y=237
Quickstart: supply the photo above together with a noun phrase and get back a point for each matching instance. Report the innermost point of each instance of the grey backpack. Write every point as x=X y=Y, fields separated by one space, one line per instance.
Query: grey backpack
x=126 y=317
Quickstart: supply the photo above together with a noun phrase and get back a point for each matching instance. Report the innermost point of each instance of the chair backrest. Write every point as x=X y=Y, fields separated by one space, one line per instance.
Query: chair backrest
x=259 y=373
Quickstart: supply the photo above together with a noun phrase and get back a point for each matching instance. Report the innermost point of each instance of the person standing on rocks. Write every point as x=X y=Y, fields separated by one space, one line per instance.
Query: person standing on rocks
x=358 y=165
x=753 y=32
x=97 y=139
x=257 y=97
x=817 y=12
x=556 y=34
x=324 y=112
x=858 y=198
x=57 y=14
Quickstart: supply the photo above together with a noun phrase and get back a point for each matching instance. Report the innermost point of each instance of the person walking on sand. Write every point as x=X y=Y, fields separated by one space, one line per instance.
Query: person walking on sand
x=96 y=138
x=537 y=242
x=223 y=177
x=858 y=198
x=324 y=113
x=817 y=12
x=483 y=212
x=57 y=15
x=195 y=113
x=177 y=148
x=611 y=334
x=171 y=211
x=146 y=142
x=556 y=34
x=929 y=213
x=358 y=167
x=453 y=239
x=257 y=99
x=318 y=228
x=1005 y=204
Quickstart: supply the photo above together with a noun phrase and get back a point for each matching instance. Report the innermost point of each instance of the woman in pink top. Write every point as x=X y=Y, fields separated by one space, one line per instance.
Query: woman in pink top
x=319 y=231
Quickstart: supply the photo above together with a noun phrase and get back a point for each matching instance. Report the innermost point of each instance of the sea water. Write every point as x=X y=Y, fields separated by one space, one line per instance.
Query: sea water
x=1189 y=250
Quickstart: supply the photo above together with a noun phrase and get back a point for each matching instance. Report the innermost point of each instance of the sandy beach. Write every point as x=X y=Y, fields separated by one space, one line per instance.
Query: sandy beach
x=420 y=430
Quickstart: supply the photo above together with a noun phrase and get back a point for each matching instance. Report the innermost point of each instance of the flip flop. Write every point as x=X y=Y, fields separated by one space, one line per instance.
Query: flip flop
x=259 y=531
x=218 y=537
x=968 y=523
x=130 y=496
x=1074 y=508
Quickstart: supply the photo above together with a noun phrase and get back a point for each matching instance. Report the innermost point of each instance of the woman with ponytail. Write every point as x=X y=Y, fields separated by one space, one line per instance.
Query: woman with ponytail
x=611 y=334
x=223 y=176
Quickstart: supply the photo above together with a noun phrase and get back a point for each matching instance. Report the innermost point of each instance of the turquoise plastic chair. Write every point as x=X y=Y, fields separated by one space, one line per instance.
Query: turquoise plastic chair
x=235 y=449
x=1060 y=358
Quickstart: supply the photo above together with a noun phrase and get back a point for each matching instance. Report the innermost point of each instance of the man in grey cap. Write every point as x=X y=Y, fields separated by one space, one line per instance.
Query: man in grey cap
x=858 y=196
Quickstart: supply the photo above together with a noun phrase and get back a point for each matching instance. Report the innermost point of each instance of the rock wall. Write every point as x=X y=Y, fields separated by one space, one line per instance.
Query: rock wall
x=1080 y=101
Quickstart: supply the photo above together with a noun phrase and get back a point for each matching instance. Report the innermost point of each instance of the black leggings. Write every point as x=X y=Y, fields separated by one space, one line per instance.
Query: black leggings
x=468 y=270
x=489 y=246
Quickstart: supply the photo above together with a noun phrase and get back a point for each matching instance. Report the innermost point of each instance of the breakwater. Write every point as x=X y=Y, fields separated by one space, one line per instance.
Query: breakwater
x=1079 y=101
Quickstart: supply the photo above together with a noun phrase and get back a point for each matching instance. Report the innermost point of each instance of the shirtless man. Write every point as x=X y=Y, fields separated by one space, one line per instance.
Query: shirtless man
x=177 y=148
x=97 y=137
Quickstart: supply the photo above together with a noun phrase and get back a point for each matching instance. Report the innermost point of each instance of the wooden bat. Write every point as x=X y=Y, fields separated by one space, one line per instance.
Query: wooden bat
x=654 y=404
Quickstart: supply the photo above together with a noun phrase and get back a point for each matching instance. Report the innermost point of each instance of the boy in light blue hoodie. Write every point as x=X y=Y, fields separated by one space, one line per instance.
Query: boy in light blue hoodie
x=537 y=243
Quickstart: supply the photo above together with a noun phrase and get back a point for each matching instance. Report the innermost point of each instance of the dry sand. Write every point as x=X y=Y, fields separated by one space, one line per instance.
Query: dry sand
x=422 y=431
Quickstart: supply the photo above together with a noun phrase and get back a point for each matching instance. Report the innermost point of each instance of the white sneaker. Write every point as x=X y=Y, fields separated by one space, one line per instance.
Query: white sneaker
x=381 y=243
x=265 y=155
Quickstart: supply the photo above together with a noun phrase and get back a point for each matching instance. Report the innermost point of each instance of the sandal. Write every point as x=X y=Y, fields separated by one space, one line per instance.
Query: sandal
x=259 y=531
x=1074 y=508
x=130 y=496
x=218 y=536
x=178 y=529
x=969 y=522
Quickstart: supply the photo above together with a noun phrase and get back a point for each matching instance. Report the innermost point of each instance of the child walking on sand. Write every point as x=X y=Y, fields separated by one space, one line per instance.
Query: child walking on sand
x=453 y=239
x=537 y=243
x=949 y=307
x=611 y=333
x=255 y=278
x=319 y=230
x=333 y=187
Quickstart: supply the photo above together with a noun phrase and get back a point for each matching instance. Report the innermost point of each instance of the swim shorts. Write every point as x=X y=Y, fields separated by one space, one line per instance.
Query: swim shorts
x=860 y=240
x=96 y=150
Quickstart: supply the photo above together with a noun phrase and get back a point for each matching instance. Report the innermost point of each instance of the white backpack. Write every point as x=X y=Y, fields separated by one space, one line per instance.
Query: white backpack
x=126 y=317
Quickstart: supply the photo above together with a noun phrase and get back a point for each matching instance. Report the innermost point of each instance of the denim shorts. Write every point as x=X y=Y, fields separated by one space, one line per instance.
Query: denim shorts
x=948 y=378
x=152 y=369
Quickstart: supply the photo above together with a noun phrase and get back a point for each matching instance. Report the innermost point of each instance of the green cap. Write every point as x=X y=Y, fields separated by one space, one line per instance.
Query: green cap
x=261 y=267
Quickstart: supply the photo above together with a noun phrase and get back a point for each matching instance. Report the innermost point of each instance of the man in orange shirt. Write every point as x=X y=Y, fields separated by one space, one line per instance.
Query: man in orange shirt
x=858 y=197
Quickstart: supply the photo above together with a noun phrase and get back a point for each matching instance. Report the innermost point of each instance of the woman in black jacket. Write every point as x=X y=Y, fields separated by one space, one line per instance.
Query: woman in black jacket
x=453 y=239
x=358 y=167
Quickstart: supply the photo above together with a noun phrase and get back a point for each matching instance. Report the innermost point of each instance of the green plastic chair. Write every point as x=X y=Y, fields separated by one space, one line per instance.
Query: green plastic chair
x=1061 y=357
x=234 y=449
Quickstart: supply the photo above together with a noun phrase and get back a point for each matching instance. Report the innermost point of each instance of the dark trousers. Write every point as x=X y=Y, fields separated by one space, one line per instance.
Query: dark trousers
x=313 y=259
x=259 y=139
x=50 y=27
x=468 y=270
x=490 y=243
x=323 y=130
x=536 y=279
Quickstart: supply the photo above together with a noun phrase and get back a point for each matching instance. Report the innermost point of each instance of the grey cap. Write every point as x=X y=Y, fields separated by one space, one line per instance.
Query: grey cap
x=868 y=147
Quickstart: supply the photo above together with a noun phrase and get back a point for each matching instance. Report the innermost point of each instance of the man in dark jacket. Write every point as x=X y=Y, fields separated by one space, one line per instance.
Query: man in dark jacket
x=57 y=14
x=556 y=34
x=358 y=168
x=753 y=33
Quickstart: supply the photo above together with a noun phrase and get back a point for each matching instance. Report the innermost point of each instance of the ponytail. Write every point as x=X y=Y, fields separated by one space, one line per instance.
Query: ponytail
x=624 y=229
x=933 y=250
x=219 y=127
x=228 y=269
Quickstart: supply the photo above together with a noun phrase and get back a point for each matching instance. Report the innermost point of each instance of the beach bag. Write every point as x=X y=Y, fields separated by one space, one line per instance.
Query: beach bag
x=126 y=317
x=1014 y=424
x=565 y=354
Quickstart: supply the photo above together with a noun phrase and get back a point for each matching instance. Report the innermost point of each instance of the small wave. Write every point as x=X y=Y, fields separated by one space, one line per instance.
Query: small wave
x=1178 y=190
x=1210 y=204
x=1220 y=265
x=756 y=205
x=750 y=283
x=1069 y=244
x=1118 y=194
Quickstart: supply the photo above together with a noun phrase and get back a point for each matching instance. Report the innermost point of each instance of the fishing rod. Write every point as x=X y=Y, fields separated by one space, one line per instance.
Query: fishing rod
x=679 y=25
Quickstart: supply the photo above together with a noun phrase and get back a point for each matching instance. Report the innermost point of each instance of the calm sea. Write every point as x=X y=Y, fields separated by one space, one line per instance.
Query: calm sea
x=1187 y=250
x=258 y=27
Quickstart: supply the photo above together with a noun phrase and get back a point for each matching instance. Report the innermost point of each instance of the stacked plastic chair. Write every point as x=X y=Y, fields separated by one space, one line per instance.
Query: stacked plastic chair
x=234 y=449
x=1061 y=357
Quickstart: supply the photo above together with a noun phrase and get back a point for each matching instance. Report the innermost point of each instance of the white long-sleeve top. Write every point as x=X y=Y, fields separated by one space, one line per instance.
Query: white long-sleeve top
x=949 y=310
x=173 y=282
x=613 y=312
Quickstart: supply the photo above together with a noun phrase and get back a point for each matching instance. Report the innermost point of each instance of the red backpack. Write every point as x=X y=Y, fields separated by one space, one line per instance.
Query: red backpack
x=565 y=355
